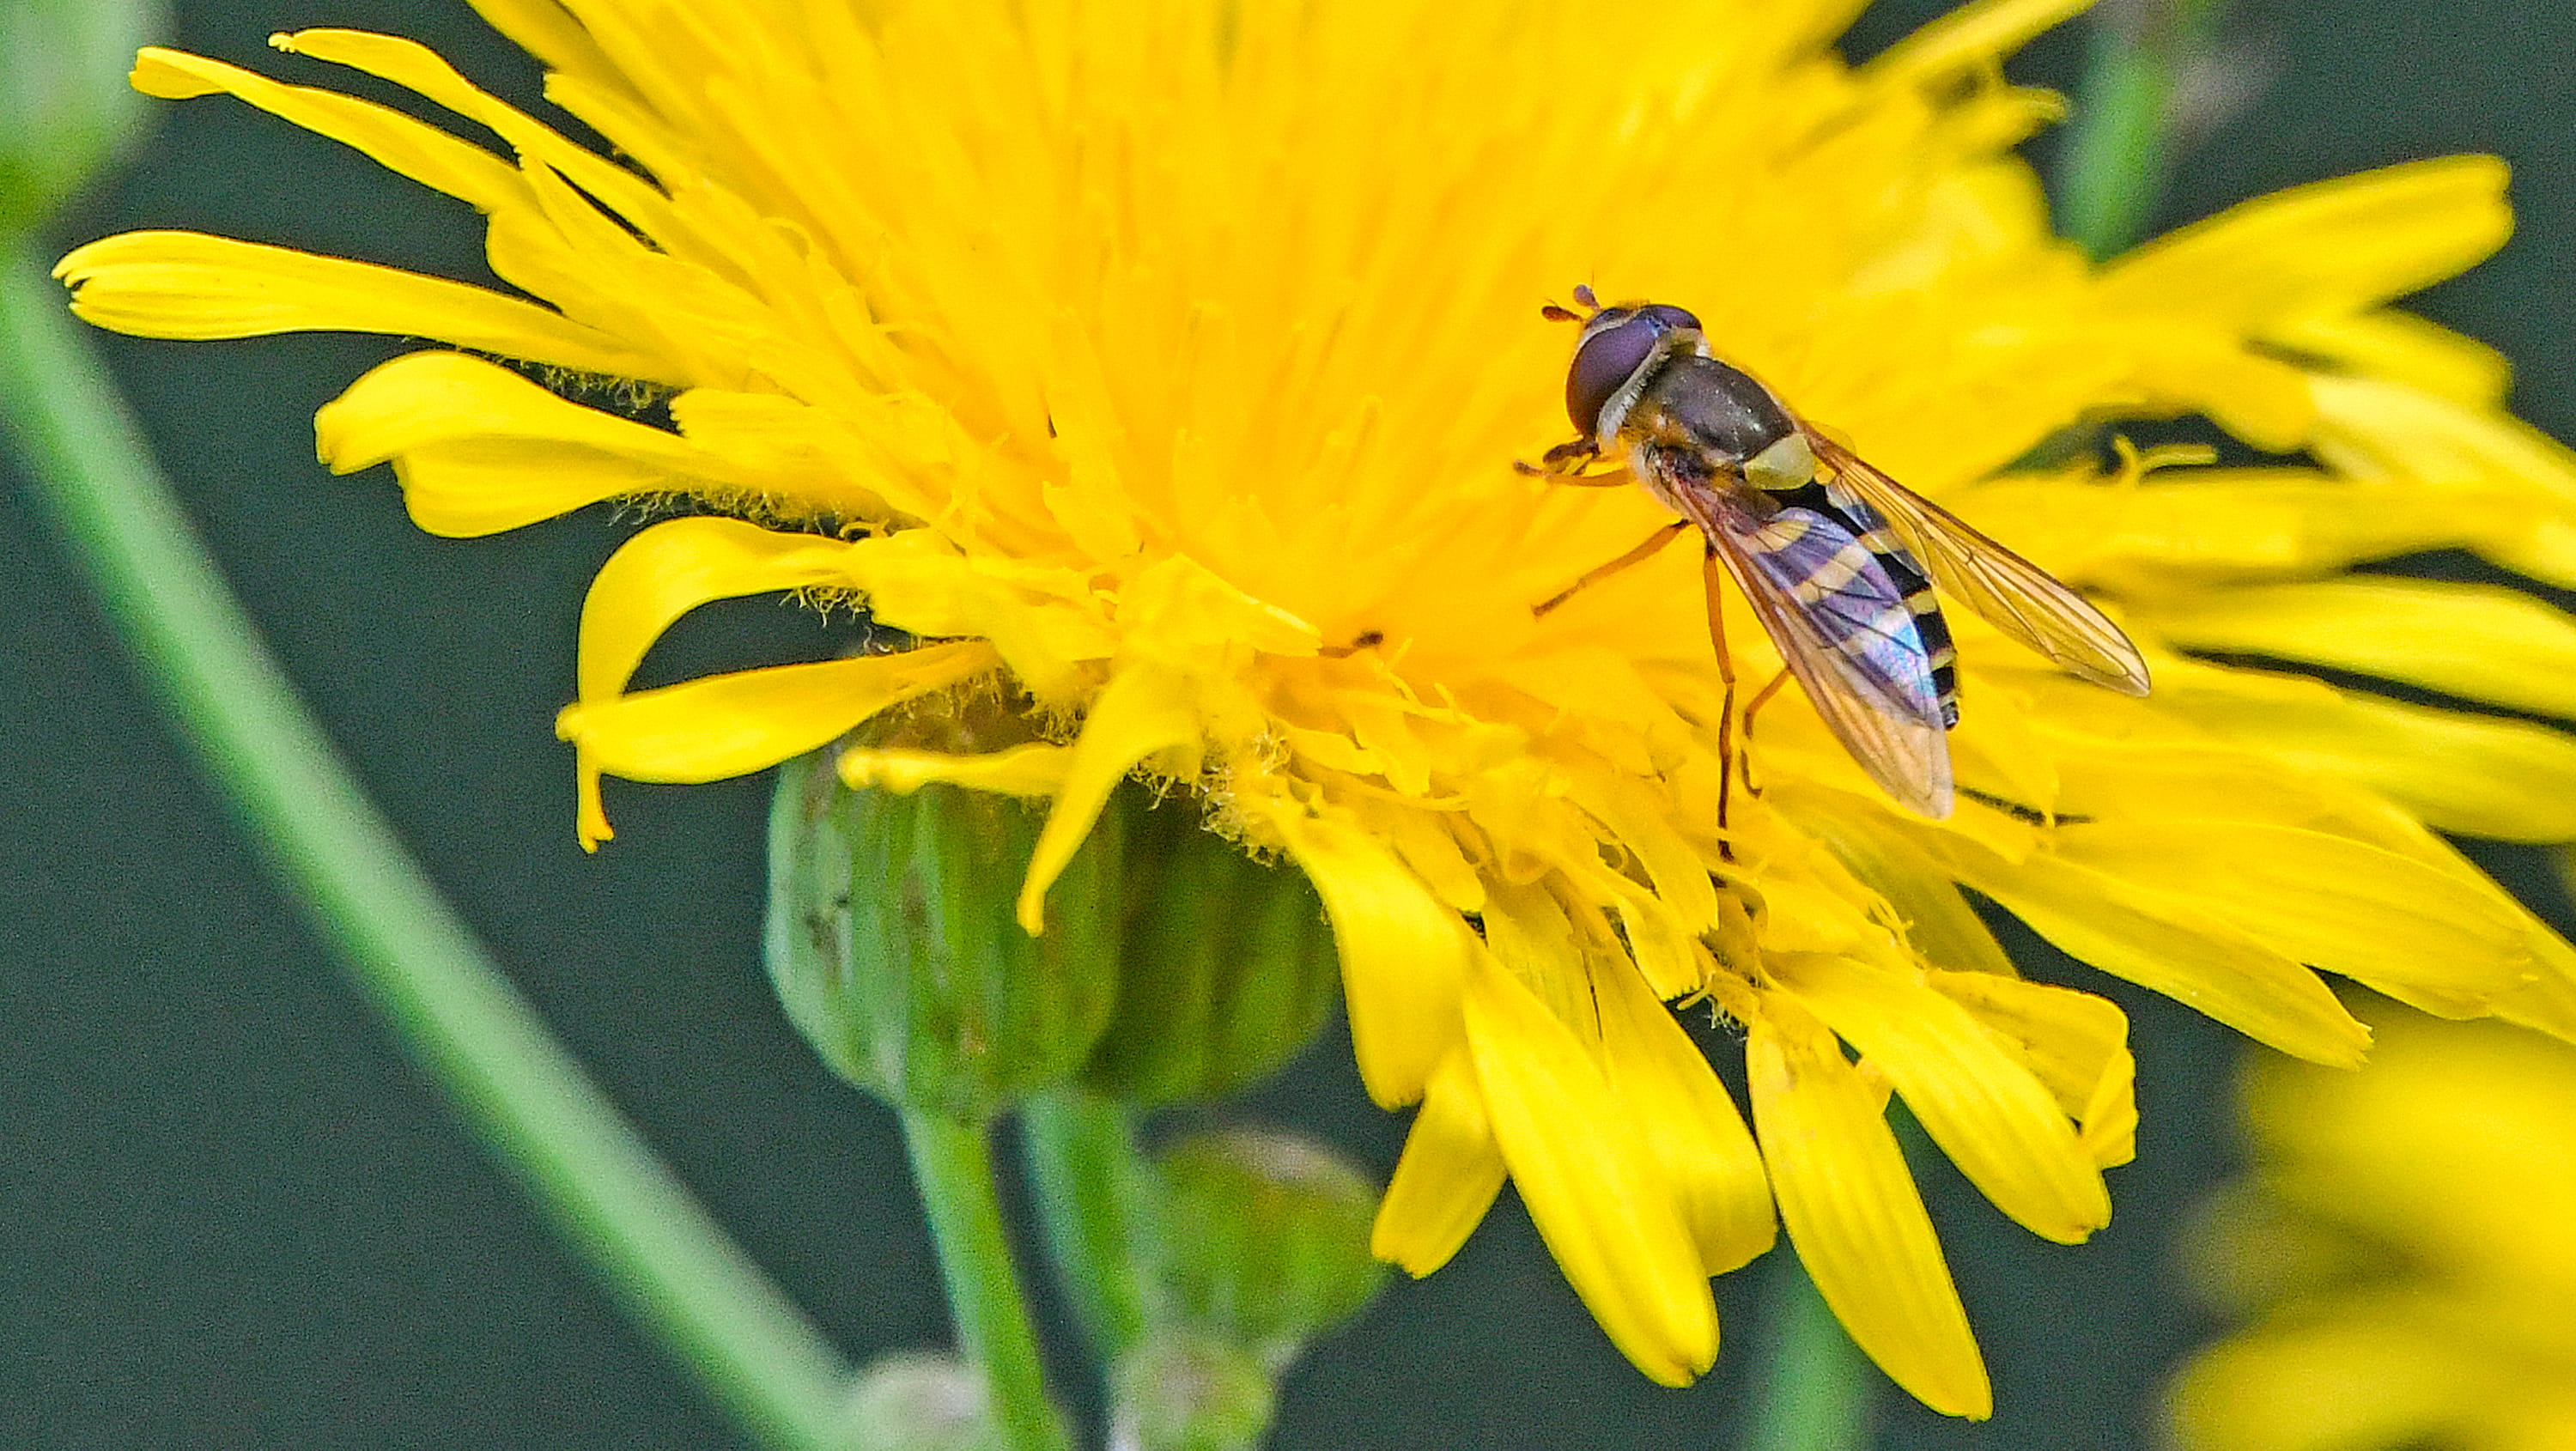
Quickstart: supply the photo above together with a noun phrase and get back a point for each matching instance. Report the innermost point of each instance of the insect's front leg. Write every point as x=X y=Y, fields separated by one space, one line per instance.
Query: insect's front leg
x=1567 y=462
x=1638 y=555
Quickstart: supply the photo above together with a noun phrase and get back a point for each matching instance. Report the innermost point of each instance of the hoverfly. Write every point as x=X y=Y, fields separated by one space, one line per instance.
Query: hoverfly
x=1838 y=560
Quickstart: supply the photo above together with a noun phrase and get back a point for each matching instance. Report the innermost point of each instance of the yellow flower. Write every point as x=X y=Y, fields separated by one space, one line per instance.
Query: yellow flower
x=2403 y=1250
x=1167 y=362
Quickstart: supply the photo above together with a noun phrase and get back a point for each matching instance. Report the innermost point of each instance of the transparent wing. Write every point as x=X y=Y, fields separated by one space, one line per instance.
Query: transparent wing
x=2015 y=595
x=1843 y=626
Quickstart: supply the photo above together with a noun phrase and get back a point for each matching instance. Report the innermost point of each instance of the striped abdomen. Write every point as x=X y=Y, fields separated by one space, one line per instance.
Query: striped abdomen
x=1821 y=545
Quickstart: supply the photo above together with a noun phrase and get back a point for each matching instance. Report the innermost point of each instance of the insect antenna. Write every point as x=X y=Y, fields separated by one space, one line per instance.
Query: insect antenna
x=1559 y=312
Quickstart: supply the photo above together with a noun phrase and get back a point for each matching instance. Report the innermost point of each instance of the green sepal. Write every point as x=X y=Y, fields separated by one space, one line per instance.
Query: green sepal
x=893 y=946
x=1189 y=1393
x=1264 y=1239
x=920 y=1400
x=1229 y=963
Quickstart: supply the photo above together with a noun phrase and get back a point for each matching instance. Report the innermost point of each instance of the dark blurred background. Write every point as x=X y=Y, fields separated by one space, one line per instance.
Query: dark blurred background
x=232 y=1214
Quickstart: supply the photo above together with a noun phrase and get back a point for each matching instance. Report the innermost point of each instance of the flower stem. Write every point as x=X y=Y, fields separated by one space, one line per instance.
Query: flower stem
x=2117 y=158
x=446 y=1000
x=952 y=1166
x=1084 y=1169
x=1814 y=1387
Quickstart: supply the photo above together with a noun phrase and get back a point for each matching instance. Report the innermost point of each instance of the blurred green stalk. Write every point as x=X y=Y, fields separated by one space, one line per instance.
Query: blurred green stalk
x=1813 y=1392
x=1083 y=1170
x=952 y=1167
x=449 y=1003
x=2118 y=148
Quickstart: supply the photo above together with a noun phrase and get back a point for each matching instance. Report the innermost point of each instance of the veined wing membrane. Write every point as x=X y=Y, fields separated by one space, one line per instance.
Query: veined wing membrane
x=2013 y=594
x=1843 y=627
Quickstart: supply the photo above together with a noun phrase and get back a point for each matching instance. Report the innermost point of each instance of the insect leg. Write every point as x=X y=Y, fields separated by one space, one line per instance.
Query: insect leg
x=1713 y=577
x=1566 y=462
x=1610 y=478
x=2027 y=815
x=1638 y=555
x=1760 y=699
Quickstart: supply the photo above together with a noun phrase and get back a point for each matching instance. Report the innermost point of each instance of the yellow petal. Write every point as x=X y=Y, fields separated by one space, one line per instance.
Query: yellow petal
x=417 y=68
x=2442 y=1107
x=1940 y=926
x=1689 y=1122
x=1448 y=1176
x=1035 y=769
x=480 y=449
x=1644 y=826
x=2268 y=403
x=1986 y=1110
x=1973 y=35
x=730 y=725
x=2175 y=949
x=2359 y=1378
x=2439 y=939
x=2376 y=429
x=705 y=324
x=1177 y=609
x=2403 y=348
x=2344 y=244
x=1431 y=849
x=1855 y=1216
x=1144 y=711
x=674 y=567
x=1605 y=1210
x=2382 y=429
x=2477 y=641
x=2076 y=1043
x=1670 y=957
x=548 y=31
x=918 y=581
x=2464 y=774
x=2548 y=1002
x=825 y=462
x=396 y=141
x=1404 y=955
x=1527 y=931
x=1091 y=505
x=2186 y=526
x=187 y=285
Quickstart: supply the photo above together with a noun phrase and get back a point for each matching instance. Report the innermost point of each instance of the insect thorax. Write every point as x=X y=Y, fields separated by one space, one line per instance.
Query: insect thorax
x=1704 y=404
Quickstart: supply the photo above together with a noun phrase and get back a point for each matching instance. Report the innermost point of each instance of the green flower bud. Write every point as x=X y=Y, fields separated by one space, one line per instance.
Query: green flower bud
x=1265 y=1239
x=65 y=108
x=893 y=946
x=1188 y=1394
x=1229 y=966
x=918 y=1400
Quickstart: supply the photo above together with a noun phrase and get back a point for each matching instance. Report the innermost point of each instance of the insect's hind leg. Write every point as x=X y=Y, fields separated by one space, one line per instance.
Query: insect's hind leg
x=1713 y=576
x=1760 y=699
x=1591 y=577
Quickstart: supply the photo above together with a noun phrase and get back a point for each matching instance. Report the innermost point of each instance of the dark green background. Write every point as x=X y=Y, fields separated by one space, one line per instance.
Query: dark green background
x=231 y=1214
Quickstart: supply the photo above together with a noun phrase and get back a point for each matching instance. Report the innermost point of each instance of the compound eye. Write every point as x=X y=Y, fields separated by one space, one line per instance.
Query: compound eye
x=1606 y=359
x=1670 y=316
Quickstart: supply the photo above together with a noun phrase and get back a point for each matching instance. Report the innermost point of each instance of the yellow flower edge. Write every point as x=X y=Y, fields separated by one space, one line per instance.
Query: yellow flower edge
x=1164 y=365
